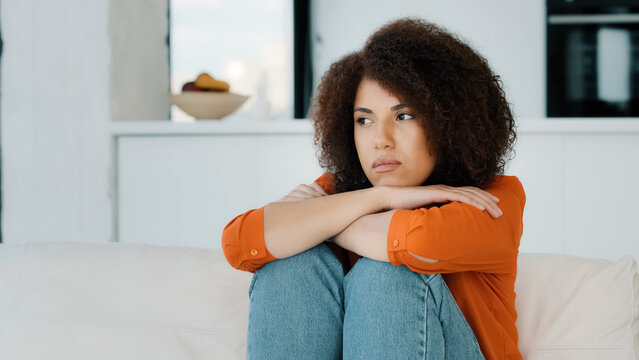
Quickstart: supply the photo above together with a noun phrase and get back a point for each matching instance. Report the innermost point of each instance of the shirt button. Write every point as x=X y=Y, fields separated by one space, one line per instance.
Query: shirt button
x=395 y=243
x=253 y=252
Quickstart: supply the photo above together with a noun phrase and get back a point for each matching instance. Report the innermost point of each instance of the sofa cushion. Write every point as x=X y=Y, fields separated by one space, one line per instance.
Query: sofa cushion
x=136 y=301
x=572 y=307
x=120 y=301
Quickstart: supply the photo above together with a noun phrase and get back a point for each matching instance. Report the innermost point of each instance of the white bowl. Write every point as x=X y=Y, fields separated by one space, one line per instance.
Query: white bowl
x=207 y=104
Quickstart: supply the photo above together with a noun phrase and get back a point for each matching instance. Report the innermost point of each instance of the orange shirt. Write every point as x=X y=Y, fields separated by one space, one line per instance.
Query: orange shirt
x=476 y=253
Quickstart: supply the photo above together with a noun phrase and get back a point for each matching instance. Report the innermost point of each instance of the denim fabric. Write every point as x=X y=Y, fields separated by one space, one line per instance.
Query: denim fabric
x=303 y=307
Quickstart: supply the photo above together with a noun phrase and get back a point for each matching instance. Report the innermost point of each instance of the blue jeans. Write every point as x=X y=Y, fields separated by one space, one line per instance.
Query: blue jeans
x=304 y=307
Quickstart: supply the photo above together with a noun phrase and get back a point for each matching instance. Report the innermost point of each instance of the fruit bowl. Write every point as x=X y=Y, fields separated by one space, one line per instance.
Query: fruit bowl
x=212 y=105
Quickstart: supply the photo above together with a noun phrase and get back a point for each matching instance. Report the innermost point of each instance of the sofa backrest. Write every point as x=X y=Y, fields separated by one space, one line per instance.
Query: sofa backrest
x=572 y=307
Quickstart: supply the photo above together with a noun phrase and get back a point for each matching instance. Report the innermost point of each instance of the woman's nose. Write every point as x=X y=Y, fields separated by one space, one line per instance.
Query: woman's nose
x=384 y=136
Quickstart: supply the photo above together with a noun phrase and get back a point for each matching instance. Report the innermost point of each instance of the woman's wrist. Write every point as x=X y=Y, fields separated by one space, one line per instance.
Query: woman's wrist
x=367 y=235
x=382 y=195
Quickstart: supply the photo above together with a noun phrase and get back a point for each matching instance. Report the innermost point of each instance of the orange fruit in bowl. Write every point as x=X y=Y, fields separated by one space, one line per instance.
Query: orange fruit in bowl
x=205 y=82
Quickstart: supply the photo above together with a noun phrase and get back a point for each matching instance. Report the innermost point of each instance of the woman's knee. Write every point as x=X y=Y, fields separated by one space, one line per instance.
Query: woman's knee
x=379 y=281
x=385 y=275
x=316 y=267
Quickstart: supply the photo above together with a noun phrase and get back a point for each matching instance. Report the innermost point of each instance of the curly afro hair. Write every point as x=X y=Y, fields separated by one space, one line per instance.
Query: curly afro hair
x=466 y=118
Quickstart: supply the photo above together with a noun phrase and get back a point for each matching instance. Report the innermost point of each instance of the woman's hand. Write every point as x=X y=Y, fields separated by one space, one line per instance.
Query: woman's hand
x=413 y=197
x=303 y=192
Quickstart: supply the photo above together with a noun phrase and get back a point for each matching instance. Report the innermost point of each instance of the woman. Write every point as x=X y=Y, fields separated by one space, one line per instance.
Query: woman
x=407 y=246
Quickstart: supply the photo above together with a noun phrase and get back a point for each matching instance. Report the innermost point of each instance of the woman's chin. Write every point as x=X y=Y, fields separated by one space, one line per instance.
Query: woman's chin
x=390 y=181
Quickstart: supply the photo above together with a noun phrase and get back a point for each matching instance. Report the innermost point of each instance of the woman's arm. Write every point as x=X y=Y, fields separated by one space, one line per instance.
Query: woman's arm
x=451 y=238
x=366 y=236
x=291 y=227
x=308 y=216
x=297 y=222
x=313 y=220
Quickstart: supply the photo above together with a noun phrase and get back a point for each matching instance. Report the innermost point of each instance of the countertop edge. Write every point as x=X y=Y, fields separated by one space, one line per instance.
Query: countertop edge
x=305 y=126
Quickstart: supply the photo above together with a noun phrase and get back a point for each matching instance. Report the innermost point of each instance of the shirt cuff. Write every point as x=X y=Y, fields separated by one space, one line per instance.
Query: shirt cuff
x=396 y=240
x=254 y=252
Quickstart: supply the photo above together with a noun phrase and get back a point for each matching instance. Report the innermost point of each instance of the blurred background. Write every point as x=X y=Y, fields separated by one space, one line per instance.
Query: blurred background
x=93 y=149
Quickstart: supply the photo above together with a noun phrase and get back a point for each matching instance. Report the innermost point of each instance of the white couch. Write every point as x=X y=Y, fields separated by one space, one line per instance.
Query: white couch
x=135 y=301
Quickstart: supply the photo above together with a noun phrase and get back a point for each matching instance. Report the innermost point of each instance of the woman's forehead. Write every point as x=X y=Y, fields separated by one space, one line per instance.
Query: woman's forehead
x=372 y=90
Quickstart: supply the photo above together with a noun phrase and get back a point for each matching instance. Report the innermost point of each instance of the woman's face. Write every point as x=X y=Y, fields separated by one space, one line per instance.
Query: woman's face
x=391 y=145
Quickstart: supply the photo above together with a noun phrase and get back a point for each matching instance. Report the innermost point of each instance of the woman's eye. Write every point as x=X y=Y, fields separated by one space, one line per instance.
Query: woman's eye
x=362 y=119
x=411 y=116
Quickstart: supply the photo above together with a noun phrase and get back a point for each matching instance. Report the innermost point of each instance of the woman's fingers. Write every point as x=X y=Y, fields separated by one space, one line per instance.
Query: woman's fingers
x=420 y=196
x=492 y=200
x=313 y=190
x=468 y=199
x=484 y=199
x=473 y=196
x=319 y=189
x=488 y=201
x=303 y=192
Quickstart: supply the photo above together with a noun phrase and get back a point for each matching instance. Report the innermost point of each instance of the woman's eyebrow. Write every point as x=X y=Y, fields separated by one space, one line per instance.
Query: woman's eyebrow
x=368 y=111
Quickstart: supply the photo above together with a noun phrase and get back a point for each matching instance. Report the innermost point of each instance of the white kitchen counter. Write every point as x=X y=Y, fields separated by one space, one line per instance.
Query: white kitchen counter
x=304 y=126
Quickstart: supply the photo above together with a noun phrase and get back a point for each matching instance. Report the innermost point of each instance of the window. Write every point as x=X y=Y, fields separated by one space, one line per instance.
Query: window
x=247 y=43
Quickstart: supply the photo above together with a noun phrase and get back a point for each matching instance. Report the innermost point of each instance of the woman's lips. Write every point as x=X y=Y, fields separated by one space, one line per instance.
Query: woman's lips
x=386 y=167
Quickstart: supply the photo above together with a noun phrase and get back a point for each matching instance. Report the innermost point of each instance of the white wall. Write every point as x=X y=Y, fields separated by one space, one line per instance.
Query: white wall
x=139 y=59
x=69 y=68
x=509 y=34
x=55 y=116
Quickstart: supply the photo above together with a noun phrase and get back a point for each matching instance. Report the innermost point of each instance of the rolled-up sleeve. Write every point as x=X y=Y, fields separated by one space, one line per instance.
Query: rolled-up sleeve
x=243 y=237
x=459 y=236
x=243 y=241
